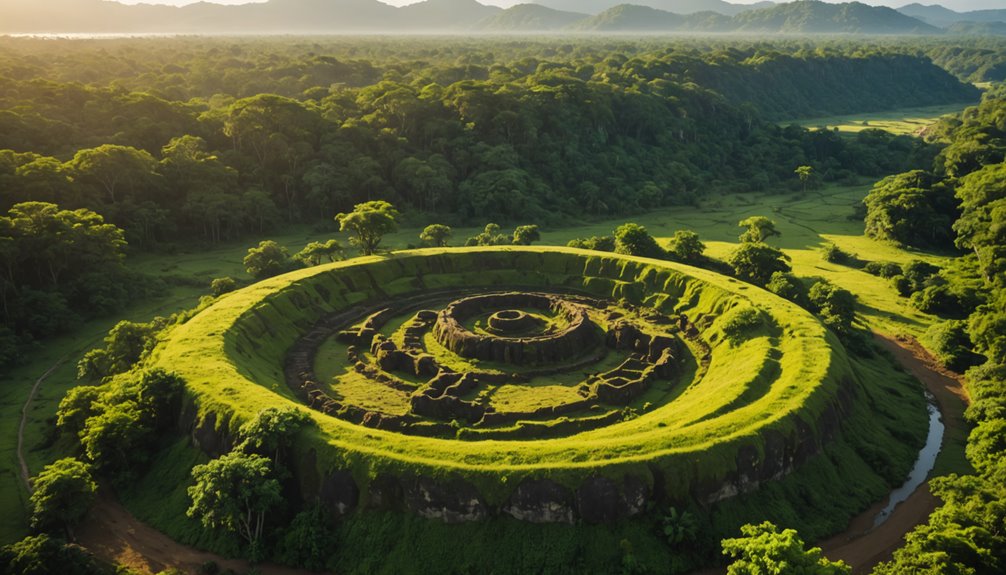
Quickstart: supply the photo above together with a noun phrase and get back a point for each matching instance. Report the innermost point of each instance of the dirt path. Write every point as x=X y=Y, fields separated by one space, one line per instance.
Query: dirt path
x=22 y=462
x=113 y=534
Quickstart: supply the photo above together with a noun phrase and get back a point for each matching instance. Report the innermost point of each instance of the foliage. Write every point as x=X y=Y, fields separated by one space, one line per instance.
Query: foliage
x=912 y=209
x=685 y=246
x=737 y=324
x=267 y=260
x=886 y=270
x=758 y=229
x=950 y=343
x=221 y=286
x=125 y=345
x=436 y=235
x=44 y=555
x=309 y=542
x=235 y=492
x=272 y=430
x=805 y=174
x=757 y=262
x=835 y=305
x=836 y=255
x=788 y=286
x=764 y=549
x=368 y=223
x=597 y=243
x=491 y=236
x=315 y=253
x=633 y=239
x=62 y=494
x=679 y=527
x=526 y=235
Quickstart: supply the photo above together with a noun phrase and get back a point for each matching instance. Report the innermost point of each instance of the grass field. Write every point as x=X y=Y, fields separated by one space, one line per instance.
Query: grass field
x=902 y=122
x=806 y=223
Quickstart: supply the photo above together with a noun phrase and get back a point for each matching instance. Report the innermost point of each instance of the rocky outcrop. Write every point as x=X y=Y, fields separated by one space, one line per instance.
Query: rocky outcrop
x=541 y=501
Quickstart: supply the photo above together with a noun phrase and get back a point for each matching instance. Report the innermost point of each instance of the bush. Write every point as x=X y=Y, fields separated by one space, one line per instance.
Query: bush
x=886 y=270
x=686 y=247
x=836 y=255
x=633 y=239
x=220 y=286
x=739 y=322
x=950 y=343
x=757 y=262
x=309 y=542
x=836 y=306
x=788 y=286
x=44 y=555
x=597 y=243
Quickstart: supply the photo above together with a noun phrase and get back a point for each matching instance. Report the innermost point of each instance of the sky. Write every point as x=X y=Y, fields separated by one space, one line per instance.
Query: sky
x=961 y=5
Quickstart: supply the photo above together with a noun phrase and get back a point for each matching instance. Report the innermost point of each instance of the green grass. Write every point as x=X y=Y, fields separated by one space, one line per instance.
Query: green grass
x=902 y=122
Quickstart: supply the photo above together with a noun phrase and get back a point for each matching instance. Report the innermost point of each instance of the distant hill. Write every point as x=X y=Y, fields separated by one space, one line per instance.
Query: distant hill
x=632 y=18
x=938 y=15
x=529 y=18
x=444 y=14
x=373 y=16
x=674 y=6
x=977 y=28
x=815 y=17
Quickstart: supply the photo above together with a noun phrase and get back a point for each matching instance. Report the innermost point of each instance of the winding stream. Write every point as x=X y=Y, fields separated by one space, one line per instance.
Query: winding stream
x=923 y=465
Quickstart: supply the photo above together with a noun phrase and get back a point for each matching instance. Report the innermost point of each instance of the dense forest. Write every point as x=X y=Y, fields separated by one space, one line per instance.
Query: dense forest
x=175 y=140
x=116 y=147
x=965 y=535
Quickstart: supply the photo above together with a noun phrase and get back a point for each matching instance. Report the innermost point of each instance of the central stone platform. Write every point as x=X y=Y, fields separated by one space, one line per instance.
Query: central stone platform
x=577 y=336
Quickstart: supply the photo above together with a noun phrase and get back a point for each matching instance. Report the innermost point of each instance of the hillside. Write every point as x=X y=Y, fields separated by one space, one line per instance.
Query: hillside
x=632 y=18
x=528 y=18
x=978 y=28
x=595 y=7
x=939 y=15
x=373 y=16
x=812 y=16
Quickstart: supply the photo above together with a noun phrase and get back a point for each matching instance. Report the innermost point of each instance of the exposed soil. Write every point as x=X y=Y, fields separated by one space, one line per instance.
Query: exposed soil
x=114 y=535
x=862 y=546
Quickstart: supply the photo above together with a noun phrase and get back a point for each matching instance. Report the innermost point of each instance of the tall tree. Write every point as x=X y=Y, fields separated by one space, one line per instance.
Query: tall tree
x=62 y=493
x=369 y=223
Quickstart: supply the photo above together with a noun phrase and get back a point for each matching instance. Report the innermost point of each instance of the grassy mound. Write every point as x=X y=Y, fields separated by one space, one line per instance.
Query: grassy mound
x=786 y=377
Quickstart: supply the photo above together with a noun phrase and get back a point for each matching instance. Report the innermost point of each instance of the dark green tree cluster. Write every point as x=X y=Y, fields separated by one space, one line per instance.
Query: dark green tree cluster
x=119 y=424
x=242 y=493
x=56 y=268
x=965 y=535
x=218 y=139
x=493 y=235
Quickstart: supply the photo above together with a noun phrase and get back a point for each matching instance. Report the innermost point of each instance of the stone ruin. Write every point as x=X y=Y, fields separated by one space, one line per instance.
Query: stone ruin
x=572 y=340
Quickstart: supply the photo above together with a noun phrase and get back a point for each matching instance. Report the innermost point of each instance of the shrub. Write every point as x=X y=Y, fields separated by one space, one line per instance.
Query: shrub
x=309 y=542
x=950 y=343
x=886 y=270
x=739 y=322
x=686 y=247
x=597 y=243
x=220 y=286
x=790 y=287
x=633 y=239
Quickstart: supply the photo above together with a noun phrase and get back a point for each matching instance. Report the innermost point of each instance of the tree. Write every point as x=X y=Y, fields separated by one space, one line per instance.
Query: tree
x=764 y=550
x=633 y=239
x=759 y=229
x=220 y=286
x=835 y=305
x=911 y=209
x=805 y=173
x=436 y=235
x=686 y=247
x=597 y=243
x=272 y=431
x=492 y=235
x=369 y=222
x=315 y=253
x=125 y=344
x=267 y=260
x=526 y=235
x=756 y=262
x=116 y=170
x=76 y=408
x=117 y=438
x=44 y=555
x=63 y=492
x=235 y=492
x=789 y=287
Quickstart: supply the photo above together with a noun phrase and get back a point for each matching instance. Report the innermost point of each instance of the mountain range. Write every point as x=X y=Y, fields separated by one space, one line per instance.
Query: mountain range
x=470 y=16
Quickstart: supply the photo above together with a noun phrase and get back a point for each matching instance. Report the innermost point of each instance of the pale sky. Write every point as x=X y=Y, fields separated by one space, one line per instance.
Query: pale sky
x=960 y=5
